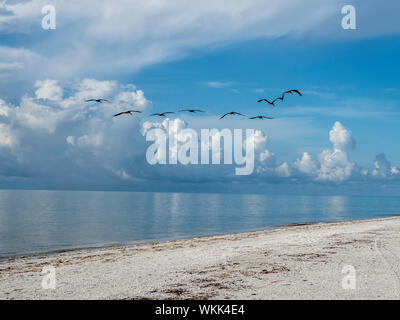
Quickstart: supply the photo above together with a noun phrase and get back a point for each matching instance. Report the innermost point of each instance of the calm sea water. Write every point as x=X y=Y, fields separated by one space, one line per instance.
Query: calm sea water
x=38 y=221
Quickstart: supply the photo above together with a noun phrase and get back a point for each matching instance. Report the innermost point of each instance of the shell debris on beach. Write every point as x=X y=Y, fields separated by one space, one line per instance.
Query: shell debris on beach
x=297 y=262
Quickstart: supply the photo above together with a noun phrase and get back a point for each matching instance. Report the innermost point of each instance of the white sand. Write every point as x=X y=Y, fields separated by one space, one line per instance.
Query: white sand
x=303 y=262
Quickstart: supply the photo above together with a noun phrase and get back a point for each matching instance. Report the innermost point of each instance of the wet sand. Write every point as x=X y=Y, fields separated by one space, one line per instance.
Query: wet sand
x=293 y=262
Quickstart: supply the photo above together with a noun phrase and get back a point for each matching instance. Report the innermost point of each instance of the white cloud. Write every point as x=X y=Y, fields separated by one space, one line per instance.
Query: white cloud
x=4 y=109
x=104 y=37
x=383 y=168
x=48 y=135
x=306 y=164
x=341 y=138
x=283 y=170
x=333 y=165
x=48 y=90
x=217 y=84
x=47 y=131
x=95 y=140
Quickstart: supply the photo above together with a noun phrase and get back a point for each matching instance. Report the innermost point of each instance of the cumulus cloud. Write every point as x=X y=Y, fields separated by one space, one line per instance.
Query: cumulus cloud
x=48 y=135
x=54 y=136
x=306 y=164
x=283 y=170
x=383 y=167
x=341 y=138
x=48 y=90
x=333 y=165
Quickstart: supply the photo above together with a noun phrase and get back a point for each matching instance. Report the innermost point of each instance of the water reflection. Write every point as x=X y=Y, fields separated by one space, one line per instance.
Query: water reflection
x=337 y=208
x=32 y=221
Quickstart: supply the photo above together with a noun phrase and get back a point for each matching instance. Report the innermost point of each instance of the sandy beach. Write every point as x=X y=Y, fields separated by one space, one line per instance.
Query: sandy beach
x=293 y=262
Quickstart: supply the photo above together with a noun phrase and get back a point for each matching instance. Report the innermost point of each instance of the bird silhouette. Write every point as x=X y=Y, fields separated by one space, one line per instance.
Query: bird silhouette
x=261 y=117
x=191 y=110
x=293 y=90
x=282 y=97
x=272 y=103
x=160 y=114
x=97 y=100
x=126 y=112
x=232 y=113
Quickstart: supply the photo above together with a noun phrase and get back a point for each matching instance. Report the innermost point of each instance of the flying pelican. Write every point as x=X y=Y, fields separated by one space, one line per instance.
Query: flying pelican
x=191 y=110
x=160 y=114
x=261 y=117
x=293 y=90
x=97 y=100
x=232 y=113
x=272 y=103
x=126 y=112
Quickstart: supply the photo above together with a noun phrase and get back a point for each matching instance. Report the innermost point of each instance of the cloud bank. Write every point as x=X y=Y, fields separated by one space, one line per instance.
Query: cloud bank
x=53 y=138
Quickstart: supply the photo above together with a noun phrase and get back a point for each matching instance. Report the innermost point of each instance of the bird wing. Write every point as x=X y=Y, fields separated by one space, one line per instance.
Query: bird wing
x=253 y=118
x=261 y=100
x=118 y=114
x=154 y=114
x=224 y=115
x=239 y=114
x=297 y=91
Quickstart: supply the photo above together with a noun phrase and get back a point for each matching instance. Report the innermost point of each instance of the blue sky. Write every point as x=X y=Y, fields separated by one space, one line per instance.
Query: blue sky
x=361 y=76
x=160 y=56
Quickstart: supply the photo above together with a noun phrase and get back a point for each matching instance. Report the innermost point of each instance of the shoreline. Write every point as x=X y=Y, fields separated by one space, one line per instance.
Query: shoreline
x=118 y=245
x=292 y=261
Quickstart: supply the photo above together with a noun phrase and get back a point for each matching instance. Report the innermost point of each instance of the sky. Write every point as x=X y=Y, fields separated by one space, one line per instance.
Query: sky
x=340 y=137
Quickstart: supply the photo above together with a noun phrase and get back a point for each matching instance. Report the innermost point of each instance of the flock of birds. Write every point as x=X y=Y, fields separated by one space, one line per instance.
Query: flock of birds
x=272 y=103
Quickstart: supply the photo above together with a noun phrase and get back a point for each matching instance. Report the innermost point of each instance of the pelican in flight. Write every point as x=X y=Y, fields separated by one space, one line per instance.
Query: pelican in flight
x=293 y=90
x=272 y=103
x=126 y=112
x=261 y=117
x=191 y=110
x=232 y=113
x=160 y=114
x=97 y=100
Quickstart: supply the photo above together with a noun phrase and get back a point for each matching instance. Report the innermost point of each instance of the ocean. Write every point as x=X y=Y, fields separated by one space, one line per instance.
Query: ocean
x=42 y=221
